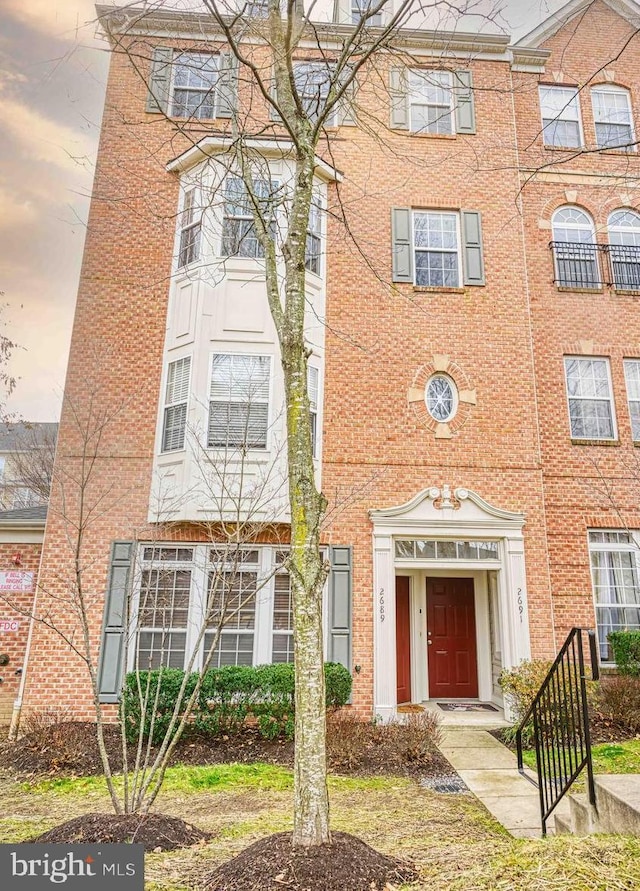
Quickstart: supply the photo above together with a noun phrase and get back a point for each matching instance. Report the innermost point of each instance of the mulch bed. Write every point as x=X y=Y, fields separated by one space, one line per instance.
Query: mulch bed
x=603 y=730
x=271 y=864
x=157 y=832
x=70 y=749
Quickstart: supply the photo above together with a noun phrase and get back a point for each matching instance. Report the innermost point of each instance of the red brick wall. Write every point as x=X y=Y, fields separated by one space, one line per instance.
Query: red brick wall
x=508 y=339
x=18 y=607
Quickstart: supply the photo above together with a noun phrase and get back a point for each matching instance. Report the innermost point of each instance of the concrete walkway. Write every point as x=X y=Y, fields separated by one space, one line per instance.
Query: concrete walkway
x=490 y=770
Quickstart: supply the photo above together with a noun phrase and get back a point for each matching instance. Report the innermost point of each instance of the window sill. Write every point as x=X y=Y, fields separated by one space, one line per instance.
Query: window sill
x=564 y=148
x=446 y=136
x=568 y=288
x=627 y=291
x=428 y=289
x=596 y=442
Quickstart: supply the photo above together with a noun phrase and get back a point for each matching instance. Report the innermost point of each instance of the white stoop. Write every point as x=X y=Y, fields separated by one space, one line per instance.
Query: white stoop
x=618 y=808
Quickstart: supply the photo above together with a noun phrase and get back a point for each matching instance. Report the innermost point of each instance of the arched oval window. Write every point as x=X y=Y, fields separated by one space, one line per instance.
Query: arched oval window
x=574 y=249
x=624 y=238
x=441 y=398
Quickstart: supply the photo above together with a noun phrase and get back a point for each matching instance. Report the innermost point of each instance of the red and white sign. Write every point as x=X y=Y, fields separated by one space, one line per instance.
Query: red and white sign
x=9 y=625
x=14 y=581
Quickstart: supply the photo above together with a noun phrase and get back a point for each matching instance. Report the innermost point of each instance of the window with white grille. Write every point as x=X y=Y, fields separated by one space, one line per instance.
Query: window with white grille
x=231 y=619
x=359 y=8
x=163 y=610
x=589 y=391
x=239 y=236
x=282 y=643
x=560 y=116
x=239 y=401
x=176 y=400
x=312 y=388
x=616 y=584
x=632 y=378
x=612 y=118
x=313 y=250
x=190 y=229
x=431 y=101
x=436 y=243
x=194 y=80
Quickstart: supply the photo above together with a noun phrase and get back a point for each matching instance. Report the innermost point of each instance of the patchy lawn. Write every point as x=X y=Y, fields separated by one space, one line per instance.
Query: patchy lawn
x=619 y=757
x=452 y=840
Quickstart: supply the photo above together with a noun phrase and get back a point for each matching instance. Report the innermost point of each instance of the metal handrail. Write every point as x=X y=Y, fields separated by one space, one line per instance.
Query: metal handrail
x=560 y=715
x=593 y=266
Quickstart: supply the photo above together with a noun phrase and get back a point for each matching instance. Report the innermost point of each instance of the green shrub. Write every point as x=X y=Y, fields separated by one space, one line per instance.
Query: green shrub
x=155 y=694
x=227 y=697
x=626 y=652
x=521 y=684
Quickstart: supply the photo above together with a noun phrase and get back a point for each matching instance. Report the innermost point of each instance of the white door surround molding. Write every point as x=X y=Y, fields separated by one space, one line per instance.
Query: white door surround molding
x=443 y=513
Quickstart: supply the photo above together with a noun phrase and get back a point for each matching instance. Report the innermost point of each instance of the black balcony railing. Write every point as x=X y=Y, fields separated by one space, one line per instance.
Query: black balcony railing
x=592 y=266
x=560 y=718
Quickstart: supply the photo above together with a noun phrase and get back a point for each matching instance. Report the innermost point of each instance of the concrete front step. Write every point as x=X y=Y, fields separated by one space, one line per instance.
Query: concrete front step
x=617 y=810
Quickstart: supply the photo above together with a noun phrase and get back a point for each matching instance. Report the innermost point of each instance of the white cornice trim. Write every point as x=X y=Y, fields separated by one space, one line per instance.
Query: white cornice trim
x=279 y=149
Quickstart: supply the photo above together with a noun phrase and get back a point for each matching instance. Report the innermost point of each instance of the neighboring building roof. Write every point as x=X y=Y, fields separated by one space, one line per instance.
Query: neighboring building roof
x=32 y=515
x=14 y=436
x=628 y=9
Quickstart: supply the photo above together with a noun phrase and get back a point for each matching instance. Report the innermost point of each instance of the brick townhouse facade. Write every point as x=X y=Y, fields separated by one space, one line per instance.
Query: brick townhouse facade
x=475 y=393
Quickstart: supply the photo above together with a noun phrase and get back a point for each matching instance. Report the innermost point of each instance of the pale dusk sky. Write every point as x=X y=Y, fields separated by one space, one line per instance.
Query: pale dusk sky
x=52 y=77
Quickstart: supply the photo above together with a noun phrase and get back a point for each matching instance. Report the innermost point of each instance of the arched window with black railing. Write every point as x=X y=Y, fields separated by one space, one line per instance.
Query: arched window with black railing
x=575 y=252
x=624 y=249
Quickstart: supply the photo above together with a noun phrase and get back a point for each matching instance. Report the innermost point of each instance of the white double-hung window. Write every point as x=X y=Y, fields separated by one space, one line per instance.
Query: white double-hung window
x=616 y=584
x=239 y=401
x=632 y=378
x=589 y=391
x=431 y=101
x=436 y=245
x=194 y=81
x=560 y=116
x=190 y=229
x=174 y=423
x=239 y=236
x=612 y=118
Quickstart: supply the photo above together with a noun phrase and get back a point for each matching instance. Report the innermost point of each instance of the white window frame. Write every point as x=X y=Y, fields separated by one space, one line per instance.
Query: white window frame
x=630 y=547
x=257 y=450
x=175 y=403
x=317 y=216
x=579 y=255
x=358 y=7
x=458 y=251
x=424 y=72
x=612 y=90
x=563 y=116
x=314 y=407
x=214 y=89
x=272 y=187
x=625 y=254
x=200 y=566
x=440 y=375
x=628 y=364
x=333 y=119
x=189 y=228
x=610 y=398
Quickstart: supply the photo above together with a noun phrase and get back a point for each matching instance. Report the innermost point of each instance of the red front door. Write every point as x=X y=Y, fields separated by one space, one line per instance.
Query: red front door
x=451 y=639
x=403 y=647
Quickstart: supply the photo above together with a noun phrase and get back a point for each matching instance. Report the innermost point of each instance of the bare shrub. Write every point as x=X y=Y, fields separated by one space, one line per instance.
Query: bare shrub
x=618 y=700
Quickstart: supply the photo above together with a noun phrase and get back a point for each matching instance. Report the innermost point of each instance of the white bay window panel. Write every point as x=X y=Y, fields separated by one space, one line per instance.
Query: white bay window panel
x=313 y=389
x=239 y=401
x=176 y=402
x=560 y=113
x=612 y=118
x=616 y=584
x=589 y=392
x=190 y=229
x=282 y=643
x=313 y=249
x=632 y=378
x=194 y=81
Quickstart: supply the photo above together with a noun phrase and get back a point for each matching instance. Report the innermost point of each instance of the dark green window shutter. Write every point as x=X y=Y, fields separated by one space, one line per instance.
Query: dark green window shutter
x=399 y=99
x=160 y=80
x=340 y=587
x=465 y=109
x=112 y=647
x=402 y=249
x=472 y=247
x=227 y=85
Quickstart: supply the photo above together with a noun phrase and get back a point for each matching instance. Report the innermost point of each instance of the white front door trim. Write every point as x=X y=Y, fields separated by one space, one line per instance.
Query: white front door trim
x=441 y=513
